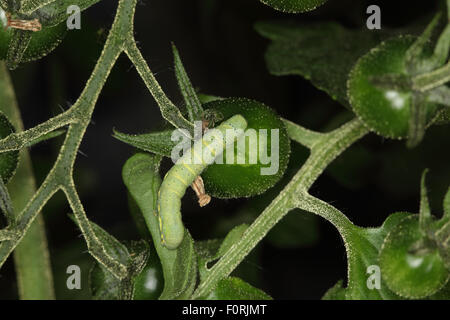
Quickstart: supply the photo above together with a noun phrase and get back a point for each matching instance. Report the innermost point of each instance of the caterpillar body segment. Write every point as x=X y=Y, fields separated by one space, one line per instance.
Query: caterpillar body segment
x=185 y=171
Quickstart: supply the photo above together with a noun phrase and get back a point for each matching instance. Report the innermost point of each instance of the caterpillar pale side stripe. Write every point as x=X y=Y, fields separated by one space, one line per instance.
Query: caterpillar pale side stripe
x=184 y=172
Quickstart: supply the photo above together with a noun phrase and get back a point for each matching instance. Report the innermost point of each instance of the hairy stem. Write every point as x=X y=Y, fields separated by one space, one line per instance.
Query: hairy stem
x=61 y=175
x=169 y=111
x=330 y=146
x=432 y=80
x=31 y=257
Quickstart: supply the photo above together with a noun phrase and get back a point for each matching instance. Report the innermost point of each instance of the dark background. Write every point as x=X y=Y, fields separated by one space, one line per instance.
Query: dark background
x=224 y=56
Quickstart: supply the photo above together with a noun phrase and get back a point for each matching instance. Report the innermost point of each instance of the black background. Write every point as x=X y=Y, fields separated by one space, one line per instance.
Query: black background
x=224 y=56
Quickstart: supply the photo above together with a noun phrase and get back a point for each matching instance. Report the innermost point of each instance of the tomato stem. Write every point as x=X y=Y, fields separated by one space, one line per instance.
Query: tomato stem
x=429 y=81
x=417 y=120
x=294 y=195
x=440 y=95
x=424 y=212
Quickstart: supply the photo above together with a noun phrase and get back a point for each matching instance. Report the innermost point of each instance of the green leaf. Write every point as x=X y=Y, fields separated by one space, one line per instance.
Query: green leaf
x=193 y=105
x=206 y=98
x=159 y=143
x=141 y=177
x=323 y=53
x=294 y=6
x=233 y=288
x=414 y=56
x=365 y=247
x=336 y=292
x=114 y=248
x=45 y=41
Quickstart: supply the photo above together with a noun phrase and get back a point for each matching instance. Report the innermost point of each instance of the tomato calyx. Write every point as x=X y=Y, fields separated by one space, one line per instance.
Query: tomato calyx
x=415 y=255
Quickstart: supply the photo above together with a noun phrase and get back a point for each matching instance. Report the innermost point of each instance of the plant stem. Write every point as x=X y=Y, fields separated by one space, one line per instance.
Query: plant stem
x=330 y=146
x=169 y=111
x=31 y=257
x=302 y=135
x=432 y=80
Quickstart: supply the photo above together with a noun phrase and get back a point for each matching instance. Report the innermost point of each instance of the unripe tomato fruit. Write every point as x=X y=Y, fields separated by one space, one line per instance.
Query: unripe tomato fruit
x=294 y=6
x=149 y=284
x=245 y=180
x=8 y=160
x=41 y=43
x=385 y=111
x=411 y=274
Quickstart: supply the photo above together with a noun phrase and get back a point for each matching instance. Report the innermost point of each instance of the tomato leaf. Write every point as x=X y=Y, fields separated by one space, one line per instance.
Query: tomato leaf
x=112 y=246
x=159 y=143
x=294 y=6
x=414 y=61
x=193 y=105
x=323 y=53
x=141 y=177
x=45 y=41
x=365 y=247
x=233 y=288
x=336 y=292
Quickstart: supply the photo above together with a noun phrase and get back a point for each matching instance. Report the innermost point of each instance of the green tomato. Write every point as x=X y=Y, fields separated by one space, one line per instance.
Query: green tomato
x=41 y=43
x=8 y=160
x=234 y=180
x=294 y=5
x=384 y=111
x=149 y=284
x=409 y=272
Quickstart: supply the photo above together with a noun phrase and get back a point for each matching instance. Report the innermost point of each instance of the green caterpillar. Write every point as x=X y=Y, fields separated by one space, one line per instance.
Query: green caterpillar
x=184 y=172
